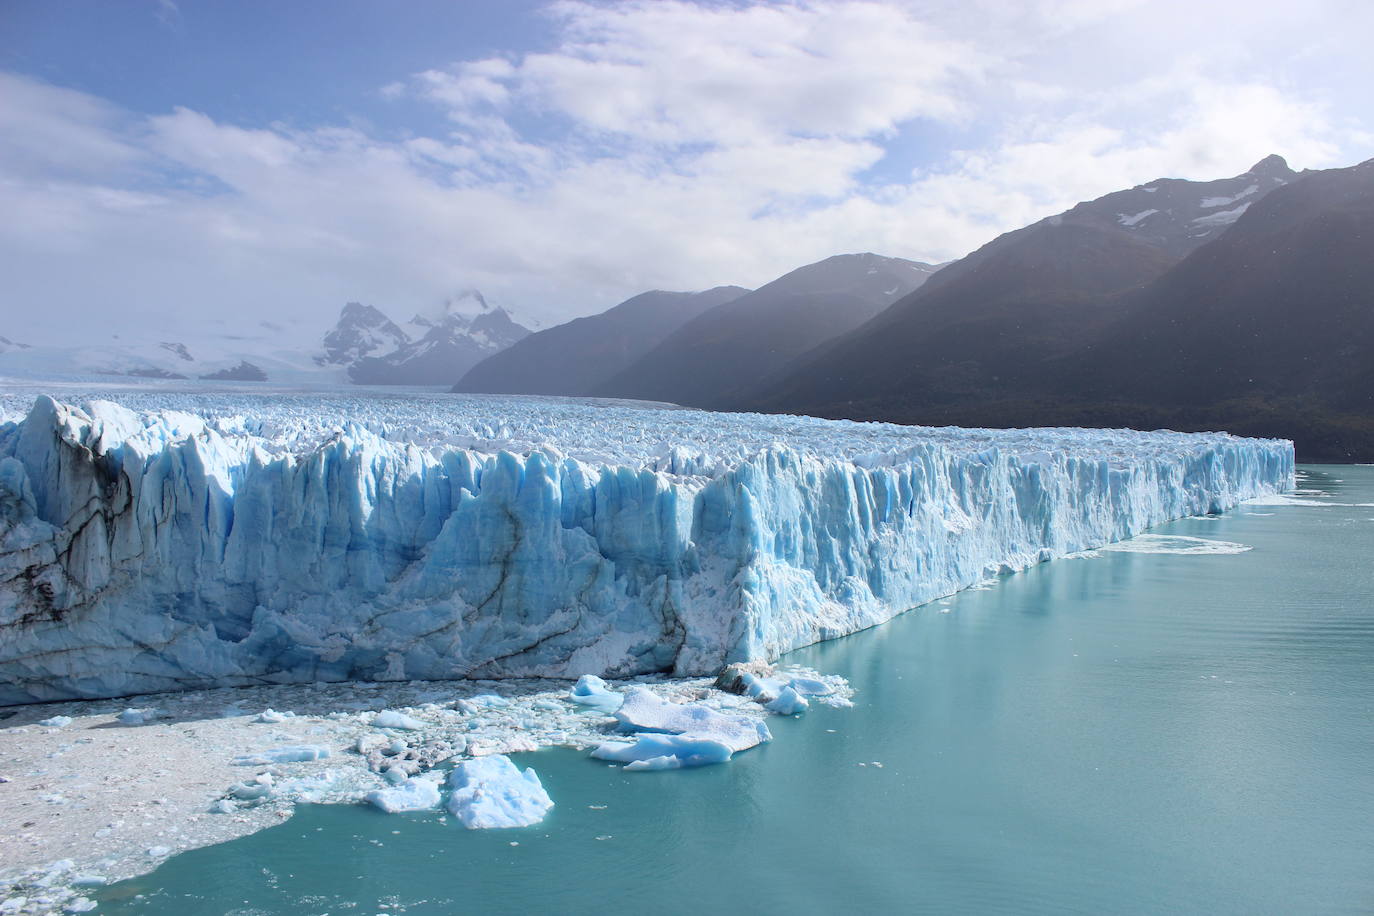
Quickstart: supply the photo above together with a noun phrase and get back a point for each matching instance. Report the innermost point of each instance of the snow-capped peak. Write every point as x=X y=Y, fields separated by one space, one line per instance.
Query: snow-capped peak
x=468 y=303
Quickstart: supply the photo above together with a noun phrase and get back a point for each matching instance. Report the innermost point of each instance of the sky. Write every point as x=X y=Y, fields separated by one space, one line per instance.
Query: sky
x=164 y=161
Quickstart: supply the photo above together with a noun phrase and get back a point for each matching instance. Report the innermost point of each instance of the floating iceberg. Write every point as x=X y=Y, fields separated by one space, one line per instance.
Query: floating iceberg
x=492 y=792
x=285 y=539
x=643 y=711
x=664 y=752
x=592 y=691
x=788 y=703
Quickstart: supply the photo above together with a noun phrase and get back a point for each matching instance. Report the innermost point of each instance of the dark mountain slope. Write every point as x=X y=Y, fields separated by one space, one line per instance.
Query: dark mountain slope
x=572 y=359
x=737 y=344
x=986 y=323
x=1267 y=330
x=1281 y=306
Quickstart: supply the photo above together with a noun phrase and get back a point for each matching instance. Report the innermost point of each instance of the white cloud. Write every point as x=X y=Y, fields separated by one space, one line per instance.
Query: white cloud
x=663 y=144
x=675 y=72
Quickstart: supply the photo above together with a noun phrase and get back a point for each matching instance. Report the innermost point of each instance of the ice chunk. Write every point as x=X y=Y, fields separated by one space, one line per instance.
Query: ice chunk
x=416 y=794
x=591 y=690
x=788 y=703
x=664 y=752
x=133 y=716
x=253 y=789
x=492 y=792
x=56 y=722
x=272 y=717
x=810 y=687
x=291 y=753
x=644 y=711
x=390 y=718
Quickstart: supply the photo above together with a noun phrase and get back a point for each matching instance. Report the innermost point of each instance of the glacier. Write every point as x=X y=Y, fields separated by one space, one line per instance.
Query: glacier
x=173 y=542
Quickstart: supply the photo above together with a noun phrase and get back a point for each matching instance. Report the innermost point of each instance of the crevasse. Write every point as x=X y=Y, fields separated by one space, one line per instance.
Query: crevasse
x=162 y=550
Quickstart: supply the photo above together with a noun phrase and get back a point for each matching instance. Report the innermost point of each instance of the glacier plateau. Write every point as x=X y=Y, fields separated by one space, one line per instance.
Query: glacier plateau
x=177 y=542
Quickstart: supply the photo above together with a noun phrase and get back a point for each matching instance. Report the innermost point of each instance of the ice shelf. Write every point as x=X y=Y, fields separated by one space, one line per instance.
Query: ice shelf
x=225 y=541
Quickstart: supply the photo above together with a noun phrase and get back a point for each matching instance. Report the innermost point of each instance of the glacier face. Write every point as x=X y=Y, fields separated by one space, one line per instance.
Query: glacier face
x=272 y=539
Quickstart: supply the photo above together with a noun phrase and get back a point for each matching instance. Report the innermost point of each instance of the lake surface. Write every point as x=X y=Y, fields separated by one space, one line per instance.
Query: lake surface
x=1129 y=733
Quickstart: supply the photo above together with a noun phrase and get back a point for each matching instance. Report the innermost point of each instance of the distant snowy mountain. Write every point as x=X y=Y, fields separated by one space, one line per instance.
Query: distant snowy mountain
x=432 y=349
x=362 y=330
x=1177 y=215
x=256 y=353
x=364 y=347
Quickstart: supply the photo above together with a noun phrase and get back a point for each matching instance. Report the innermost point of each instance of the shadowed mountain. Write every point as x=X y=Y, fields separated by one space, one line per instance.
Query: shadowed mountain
x=1265 y=329
x=989 y=320
x=733 y=346
x=574 y=358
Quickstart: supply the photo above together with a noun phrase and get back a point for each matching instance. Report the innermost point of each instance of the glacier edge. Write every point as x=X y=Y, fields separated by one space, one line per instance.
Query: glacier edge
x=165 y=549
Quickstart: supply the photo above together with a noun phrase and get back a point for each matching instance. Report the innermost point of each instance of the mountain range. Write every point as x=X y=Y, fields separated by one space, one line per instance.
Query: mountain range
x=578 y=357
x=433 y=350
x=1243 y=303
x=731 y=348
x=1261 y=322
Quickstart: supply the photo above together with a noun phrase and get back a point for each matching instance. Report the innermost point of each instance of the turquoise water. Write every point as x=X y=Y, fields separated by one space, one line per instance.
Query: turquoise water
x=1133 y=733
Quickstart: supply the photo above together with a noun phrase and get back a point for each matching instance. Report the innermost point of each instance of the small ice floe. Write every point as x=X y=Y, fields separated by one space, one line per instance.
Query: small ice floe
x=788 y=703
x=644 y=711
x=664 y=752
x=56 y=722
x=491 y=792
x=290 y=753
x=1175 y=544
x=158 y=852
x=592 y=691
x=133 y=716
x=79 y=905
x=390 y=718
x=416 y=794
x=272 y=717
x=257 y=789
x=769 y=688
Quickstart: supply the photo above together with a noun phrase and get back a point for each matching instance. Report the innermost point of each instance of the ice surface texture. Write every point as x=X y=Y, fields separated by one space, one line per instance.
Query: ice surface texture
x=272 y=540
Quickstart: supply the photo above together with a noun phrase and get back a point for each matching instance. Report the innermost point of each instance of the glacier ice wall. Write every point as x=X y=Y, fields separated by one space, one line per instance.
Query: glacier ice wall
x=266 y=541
